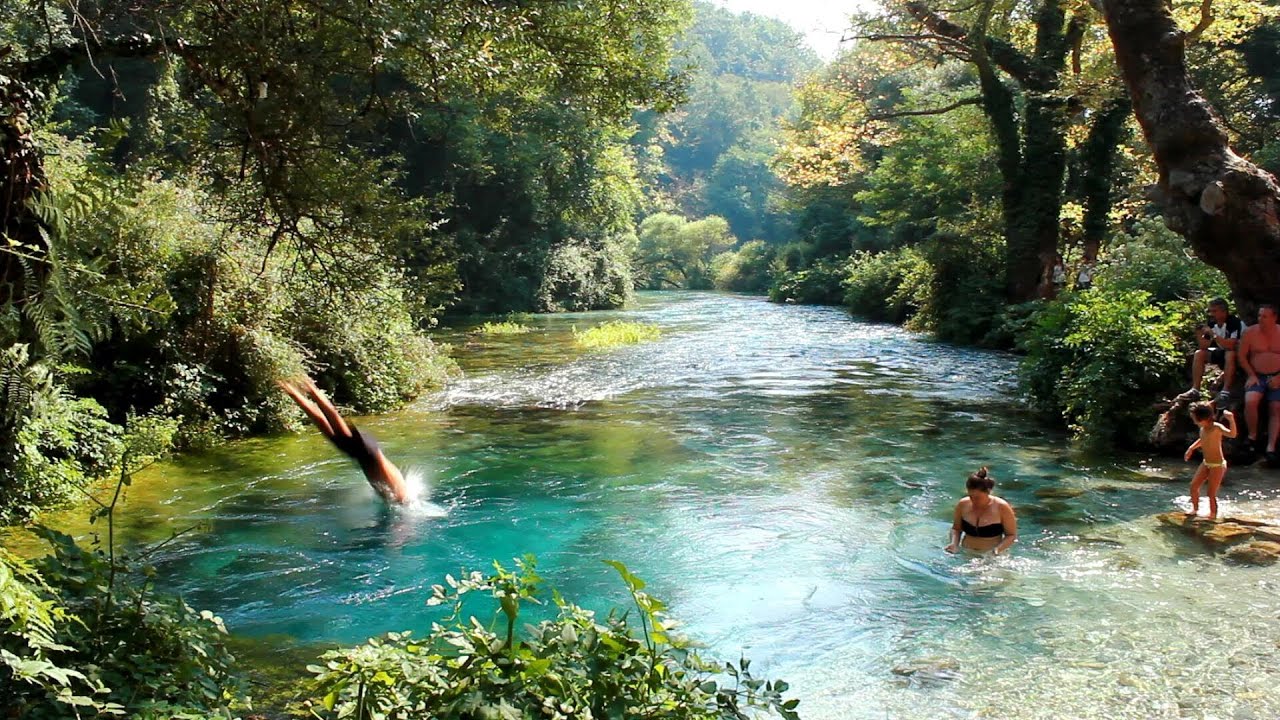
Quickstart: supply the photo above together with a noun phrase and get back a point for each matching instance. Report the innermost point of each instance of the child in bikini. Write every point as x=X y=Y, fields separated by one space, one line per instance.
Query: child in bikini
x=1214 y=465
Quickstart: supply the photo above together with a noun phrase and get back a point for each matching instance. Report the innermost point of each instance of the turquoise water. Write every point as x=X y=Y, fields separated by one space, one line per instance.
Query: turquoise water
x=783 y=477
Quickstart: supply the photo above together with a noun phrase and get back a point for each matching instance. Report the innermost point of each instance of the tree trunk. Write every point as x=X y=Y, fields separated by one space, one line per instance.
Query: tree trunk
x=1032 y=158
x=21 y=178
x=1224 y=205
x=1033 y=240
x=1098 y=160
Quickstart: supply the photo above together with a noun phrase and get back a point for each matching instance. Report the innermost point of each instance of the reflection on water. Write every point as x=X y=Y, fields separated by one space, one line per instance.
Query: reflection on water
x=784 y=476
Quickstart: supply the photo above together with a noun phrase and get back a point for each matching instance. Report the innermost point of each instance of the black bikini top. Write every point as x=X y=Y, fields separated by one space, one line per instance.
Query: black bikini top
x=985 y=531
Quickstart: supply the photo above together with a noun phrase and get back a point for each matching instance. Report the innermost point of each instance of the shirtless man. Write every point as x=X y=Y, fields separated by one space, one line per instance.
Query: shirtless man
x=381 y=473
x=1259 y=357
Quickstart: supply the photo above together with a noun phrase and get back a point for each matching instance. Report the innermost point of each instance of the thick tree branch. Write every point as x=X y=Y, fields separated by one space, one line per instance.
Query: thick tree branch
x=1206 y=19
x=1004 y=54
x=975 y=100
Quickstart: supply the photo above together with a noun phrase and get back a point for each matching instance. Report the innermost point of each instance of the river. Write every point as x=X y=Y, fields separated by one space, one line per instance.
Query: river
x=784 y=477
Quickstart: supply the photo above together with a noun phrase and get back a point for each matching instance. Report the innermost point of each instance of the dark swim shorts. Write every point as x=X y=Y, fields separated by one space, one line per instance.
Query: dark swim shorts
x=1273 y=394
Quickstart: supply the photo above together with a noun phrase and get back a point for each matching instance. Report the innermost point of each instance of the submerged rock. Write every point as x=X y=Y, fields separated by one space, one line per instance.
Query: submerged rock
x=1059 y=493
x=929 y=669
x=1258 y=552
x=1231 y=531
x=1267 y=532
x=1226 y=532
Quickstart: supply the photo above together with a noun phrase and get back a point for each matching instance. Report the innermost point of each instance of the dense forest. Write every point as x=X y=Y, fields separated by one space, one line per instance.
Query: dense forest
x=201 y=198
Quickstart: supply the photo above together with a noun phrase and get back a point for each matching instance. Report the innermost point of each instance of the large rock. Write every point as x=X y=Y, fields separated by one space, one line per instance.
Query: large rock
x=1226 y=532
x=1174 y=430
x=1221 y=532
x=1267 y=532
x=1258 y=552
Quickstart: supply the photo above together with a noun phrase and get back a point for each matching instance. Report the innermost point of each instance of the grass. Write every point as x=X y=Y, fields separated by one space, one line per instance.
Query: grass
x=614 y=334
x=506 y=327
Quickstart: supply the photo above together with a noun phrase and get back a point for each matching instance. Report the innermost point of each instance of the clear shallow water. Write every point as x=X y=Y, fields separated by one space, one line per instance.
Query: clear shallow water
x=784 y=478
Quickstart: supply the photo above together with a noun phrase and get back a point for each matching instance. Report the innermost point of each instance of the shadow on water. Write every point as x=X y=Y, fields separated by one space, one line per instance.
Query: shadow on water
x=785 y=478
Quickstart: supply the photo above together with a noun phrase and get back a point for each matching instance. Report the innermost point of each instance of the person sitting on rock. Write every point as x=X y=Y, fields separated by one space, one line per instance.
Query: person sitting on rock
x=1259 y=357
x=1218 y=341
x=381 y=473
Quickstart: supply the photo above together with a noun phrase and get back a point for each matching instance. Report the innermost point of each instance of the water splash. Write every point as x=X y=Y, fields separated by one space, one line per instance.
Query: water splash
x=419 y=489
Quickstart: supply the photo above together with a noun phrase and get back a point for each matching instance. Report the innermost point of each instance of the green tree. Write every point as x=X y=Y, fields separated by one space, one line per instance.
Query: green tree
x=675 y=253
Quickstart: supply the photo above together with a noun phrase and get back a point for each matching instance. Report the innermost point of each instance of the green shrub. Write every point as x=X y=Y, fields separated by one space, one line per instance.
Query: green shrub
x=1154 y=259
x=1097 y=359
x=959 y=288
x=874 y=284
x=369 y=351
x=583 y=275
x=625 y=666
x=615 y=333
x=52 y=444
x=84 y=633
x=747 y=269
x=819 y=284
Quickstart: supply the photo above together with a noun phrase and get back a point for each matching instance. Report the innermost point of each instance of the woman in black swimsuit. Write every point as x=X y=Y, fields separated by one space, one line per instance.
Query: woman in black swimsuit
x=983 y=522
x=381 y=473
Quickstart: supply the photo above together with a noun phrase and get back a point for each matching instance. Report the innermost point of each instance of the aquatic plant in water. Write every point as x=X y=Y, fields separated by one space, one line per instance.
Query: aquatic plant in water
x=573 y=666
x=506 y=327
x=615 y=333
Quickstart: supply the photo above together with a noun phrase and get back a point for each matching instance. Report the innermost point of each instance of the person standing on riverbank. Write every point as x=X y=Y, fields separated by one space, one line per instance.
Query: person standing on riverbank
x=982 y=521
x=381 y=473
x=1213 y=467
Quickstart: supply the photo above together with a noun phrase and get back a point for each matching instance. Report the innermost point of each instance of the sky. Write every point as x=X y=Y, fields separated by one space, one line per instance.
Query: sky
x=821 y=21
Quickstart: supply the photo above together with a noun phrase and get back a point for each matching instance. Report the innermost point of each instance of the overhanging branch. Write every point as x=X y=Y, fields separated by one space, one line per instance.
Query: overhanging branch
x=975 y=100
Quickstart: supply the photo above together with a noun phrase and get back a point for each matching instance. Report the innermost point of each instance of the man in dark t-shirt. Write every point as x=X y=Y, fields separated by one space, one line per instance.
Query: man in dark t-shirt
x=1225 y=330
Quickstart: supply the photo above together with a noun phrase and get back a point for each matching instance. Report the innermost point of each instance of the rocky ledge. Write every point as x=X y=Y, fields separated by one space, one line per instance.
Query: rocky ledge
x=1247 y=540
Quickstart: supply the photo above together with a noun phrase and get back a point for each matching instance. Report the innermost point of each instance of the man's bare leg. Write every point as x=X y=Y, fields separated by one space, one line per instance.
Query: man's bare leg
x=1273 y=425
x=1197 y=368
x=1251 y=402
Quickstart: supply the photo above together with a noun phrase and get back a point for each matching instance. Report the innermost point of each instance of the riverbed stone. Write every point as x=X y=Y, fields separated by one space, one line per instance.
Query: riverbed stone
x=929 y=669
x=1246 y=520
x=1226 y=532
x=1267 y=532
x=1176 y=519
x=1258 y=552
x=1059 y=493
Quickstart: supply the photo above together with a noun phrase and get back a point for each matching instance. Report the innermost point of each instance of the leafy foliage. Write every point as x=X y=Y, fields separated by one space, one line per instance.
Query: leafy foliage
x=1094 y=357
x=746 y=269
x=129 y=650
x=506 y=327
x=52 y=444
x=82 y=634
x=715 y=149
x=675 y=253
x=821 y=283
x=573 y=665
